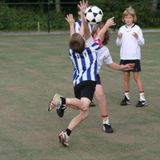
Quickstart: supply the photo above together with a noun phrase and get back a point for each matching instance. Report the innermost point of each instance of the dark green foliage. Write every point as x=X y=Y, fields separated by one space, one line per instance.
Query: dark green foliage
x=58 y=21
x=146 y=18
x=20 y=19
x=26 y=16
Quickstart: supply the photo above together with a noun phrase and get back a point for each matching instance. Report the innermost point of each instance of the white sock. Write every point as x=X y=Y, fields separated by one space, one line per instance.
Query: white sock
x=107 y=120
x=142 y=97
x=127 y=95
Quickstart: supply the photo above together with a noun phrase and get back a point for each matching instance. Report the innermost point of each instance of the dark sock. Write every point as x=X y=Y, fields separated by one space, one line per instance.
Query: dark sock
x=68 y=131
x=63 y=100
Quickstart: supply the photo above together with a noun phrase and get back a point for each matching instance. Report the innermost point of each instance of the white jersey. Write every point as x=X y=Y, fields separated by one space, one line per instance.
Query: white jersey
x=103 y=55
x=77 y=26
x=129 y=45
x=85 y=64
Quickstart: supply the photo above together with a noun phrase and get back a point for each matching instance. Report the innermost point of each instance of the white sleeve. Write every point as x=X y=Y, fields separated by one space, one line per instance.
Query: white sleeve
x=108 y=57
x=140 y=37
x=119 y=40
x=77 y=26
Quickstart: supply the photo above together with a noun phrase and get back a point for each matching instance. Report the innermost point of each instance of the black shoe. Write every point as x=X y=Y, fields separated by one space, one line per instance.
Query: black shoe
x=60 y=111
x=141 y=104
x=107 y=128
x=92 y=104
x=125 y=101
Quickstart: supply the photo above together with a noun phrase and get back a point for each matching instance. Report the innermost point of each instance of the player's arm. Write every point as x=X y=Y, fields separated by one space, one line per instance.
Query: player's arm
x=86 y=32
x=139 y=37
x=118 y=67
x=110 y=22
x=69 y=18
x=119 y=38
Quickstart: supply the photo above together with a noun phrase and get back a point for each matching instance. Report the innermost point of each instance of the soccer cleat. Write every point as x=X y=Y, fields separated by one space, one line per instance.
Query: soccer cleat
x=55 y=102
x=64 y=139
x=141 y=104
x=107 y=128
x=60 y=111
x=125 y=101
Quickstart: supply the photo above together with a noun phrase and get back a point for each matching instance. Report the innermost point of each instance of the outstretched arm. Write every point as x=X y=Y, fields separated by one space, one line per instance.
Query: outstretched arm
x=110 y=22
x=118 y=67
x=69 y=18
x=86 y=32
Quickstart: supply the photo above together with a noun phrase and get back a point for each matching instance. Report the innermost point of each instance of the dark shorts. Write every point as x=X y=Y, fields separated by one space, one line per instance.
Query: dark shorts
x=98 y=79
x=85 y=89
x=137 y=67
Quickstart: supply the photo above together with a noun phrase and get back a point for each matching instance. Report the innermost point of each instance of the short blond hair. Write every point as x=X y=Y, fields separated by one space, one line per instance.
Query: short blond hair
x=130 y=11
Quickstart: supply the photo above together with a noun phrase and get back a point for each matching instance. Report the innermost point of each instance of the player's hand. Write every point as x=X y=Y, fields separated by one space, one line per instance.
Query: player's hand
x=135 y=35
x=128 y=66
x=119 y=35
x=83 y=6
x=69 y=18
x=110 y=22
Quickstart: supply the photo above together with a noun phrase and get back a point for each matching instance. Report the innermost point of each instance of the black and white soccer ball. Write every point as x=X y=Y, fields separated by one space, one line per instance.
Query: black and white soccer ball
x=93 y=15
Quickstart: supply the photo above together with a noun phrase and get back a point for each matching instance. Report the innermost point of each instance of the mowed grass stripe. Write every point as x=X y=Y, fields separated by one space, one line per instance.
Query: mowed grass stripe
x=33 y=68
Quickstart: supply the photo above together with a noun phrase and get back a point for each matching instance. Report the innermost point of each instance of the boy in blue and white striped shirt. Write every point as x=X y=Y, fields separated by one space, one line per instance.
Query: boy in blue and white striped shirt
x=85 y=63
x=84 y=76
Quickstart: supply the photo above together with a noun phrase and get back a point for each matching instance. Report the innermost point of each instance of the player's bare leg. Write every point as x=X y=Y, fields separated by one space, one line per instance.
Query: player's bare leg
x=102 y=103
x=142 y=100
x=126 y=100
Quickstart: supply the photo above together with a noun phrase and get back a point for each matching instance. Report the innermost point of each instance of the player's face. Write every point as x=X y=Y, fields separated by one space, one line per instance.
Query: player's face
x=128 y=19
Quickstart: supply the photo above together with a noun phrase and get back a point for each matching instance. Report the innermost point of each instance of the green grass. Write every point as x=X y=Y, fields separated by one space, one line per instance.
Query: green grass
x=33 y=68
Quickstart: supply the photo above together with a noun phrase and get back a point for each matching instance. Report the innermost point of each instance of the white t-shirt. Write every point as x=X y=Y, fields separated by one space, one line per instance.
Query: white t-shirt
x=103 y=55
x=129 y=45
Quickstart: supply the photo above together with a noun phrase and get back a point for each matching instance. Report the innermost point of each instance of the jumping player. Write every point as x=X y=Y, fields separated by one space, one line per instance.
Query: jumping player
x=84 y=76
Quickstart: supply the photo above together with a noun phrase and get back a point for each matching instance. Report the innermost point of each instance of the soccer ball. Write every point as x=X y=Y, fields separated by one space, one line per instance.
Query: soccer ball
x=93 y=15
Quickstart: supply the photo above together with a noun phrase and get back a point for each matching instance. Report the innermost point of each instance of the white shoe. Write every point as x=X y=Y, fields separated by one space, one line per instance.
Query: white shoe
x=55 y=102
x=64 y=139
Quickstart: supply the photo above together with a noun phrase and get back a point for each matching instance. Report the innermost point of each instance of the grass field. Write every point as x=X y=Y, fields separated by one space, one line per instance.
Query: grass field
x=33 y=68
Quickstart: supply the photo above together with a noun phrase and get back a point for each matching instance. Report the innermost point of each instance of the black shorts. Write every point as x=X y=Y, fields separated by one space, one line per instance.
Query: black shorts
x=85 y=89
x=137 y=67
x=98 y=79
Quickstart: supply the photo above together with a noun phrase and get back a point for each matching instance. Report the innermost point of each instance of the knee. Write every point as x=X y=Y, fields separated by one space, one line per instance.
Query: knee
x=85 y=104
x=136 y=79
x=85 y=108
x=100 y=96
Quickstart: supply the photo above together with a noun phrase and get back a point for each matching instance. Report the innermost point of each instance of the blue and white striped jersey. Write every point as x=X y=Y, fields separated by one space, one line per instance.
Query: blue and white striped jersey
x=77 y=26
x=85 y=64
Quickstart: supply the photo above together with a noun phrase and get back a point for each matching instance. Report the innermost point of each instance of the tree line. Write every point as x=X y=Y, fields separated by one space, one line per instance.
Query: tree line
x=29 y=14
